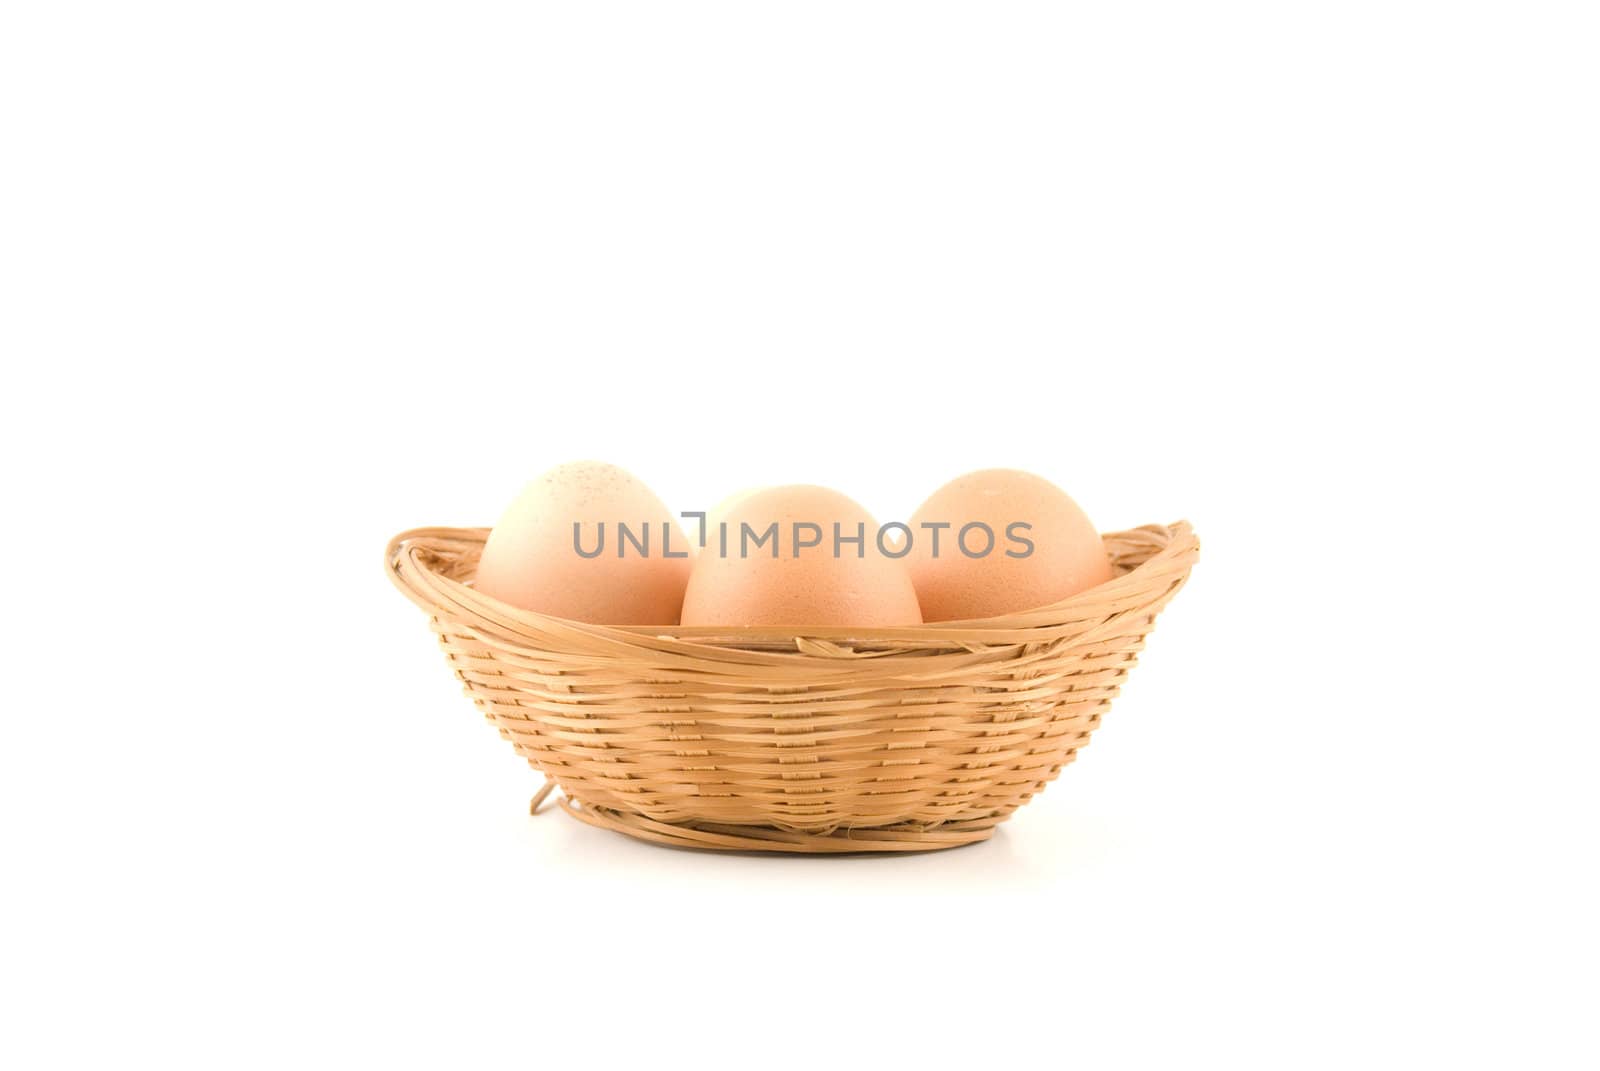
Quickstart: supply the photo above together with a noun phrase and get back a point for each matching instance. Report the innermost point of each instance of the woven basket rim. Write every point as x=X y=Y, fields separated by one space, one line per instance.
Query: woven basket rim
x=409 y=561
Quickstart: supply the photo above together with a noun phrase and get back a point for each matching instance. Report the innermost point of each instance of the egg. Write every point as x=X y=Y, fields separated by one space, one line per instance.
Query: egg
x=627 y=563
x=1040 y=547
x=780 y=563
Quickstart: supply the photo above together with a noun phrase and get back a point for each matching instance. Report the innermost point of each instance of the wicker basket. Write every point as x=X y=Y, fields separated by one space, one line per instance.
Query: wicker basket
x=899 y=739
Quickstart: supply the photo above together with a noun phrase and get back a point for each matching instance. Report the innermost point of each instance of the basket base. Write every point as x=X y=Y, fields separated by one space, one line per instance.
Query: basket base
x=725 y=838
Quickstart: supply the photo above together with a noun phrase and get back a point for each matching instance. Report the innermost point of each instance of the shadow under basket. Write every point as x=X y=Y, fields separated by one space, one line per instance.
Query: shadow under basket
x=865 y=740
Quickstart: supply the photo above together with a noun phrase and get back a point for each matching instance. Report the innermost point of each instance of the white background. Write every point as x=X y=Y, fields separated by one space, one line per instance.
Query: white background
x=280 y=280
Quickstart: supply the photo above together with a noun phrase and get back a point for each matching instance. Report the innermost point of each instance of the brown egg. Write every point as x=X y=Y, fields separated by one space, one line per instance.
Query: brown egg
x=785 y=570
x=636 y=578
x=1043 y=547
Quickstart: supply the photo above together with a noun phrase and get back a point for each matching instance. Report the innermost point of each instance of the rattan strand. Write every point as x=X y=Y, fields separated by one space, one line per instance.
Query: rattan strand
x=904 y=739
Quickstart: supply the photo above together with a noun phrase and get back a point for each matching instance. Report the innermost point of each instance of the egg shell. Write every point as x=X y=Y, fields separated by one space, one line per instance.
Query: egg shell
x=1067 y=557
x=530 y=561
x=808 y=589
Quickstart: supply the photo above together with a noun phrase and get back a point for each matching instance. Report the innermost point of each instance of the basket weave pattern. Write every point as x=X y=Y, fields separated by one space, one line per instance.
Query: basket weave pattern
x=756 y=739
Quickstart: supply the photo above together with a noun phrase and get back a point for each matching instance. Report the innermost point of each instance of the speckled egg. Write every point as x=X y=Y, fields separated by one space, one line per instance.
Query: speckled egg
x=627 y=563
